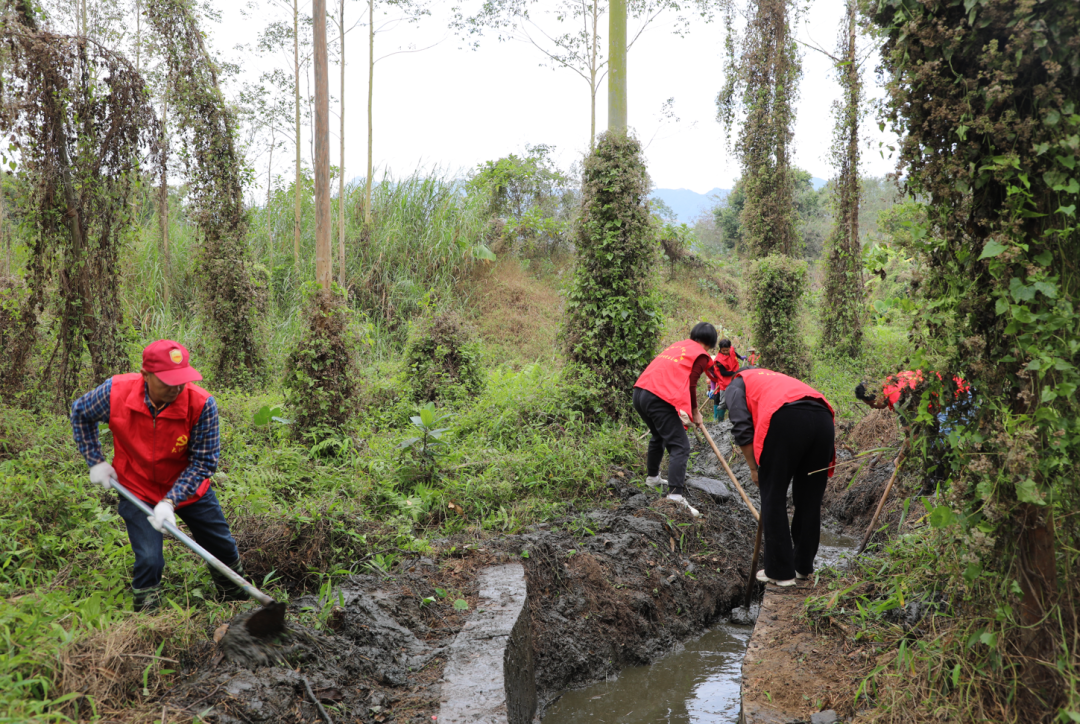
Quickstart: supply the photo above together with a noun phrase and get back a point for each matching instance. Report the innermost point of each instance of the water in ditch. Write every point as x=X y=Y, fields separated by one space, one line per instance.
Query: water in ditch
x=697 y=684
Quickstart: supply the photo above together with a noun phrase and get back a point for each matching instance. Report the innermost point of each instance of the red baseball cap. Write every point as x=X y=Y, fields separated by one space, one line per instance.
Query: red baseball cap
x=168 y=360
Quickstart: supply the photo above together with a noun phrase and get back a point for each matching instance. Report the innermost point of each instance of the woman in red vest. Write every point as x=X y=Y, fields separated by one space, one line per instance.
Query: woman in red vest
x=785 y=429
x=665 y=395
x=725 y=365
x=166 y=445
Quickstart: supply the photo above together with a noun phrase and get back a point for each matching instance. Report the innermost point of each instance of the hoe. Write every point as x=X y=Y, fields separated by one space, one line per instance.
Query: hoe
x=268 y=621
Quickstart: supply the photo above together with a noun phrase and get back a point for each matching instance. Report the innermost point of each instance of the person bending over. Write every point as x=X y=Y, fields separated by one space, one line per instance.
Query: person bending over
x=166 y=446
x=720 y=373
x=665 y=395
x=786 y=431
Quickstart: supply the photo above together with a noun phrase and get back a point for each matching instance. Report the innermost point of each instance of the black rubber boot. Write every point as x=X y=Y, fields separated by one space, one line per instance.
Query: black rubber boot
x=146 y=600
x=226 y=589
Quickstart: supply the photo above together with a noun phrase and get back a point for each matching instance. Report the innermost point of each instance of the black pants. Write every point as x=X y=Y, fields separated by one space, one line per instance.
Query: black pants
x=667 y=432
x=800 y=439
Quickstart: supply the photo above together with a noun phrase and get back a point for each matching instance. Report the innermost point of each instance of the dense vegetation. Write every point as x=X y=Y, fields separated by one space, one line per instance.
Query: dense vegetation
x=485 y=331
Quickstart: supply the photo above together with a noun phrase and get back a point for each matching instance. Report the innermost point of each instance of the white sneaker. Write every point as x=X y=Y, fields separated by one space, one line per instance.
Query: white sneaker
x=765 y=579
x=655 y=480
x=800 y=577
x=680 y=499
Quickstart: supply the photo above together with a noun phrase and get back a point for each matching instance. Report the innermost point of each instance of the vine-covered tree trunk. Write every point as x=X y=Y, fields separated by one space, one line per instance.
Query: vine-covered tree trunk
x=988 y=98
x=613 y=317
x=207 y=128
x=59 y=92
x=844 y=307
x=761 y=83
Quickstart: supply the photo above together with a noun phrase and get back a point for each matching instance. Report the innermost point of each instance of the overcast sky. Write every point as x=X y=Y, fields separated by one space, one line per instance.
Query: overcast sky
x=452 y=108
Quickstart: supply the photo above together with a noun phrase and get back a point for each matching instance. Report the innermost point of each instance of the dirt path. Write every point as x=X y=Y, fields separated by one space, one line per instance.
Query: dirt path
x=609 y=587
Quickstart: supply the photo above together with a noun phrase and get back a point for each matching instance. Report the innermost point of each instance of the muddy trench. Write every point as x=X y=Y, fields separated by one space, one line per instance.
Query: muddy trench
x=609 y=589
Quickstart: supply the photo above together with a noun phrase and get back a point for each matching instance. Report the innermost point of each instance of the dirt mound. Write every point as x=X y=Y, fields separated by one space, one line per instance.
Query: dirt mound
x=854 y=491
x=611 y=587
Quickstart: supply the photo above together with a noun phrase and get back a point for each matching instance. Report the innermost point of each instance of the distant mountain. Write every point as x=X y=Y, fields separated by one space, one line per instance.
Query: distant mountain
x=689 y=205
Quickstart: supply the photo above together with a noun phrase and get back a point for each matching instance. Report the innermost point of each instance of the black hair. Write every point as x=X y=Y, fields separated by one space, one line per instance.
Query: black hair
x=705 y=334
x=860 y=393
x=725 y=342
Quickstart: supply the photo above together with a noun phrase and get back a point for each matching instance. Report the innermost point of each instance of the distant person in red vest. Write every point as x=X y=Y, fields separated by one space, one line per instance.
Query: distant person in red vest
x=785 y=428
x=725 y=365
x=166 y=446
x=894 y=387
x=666 y=398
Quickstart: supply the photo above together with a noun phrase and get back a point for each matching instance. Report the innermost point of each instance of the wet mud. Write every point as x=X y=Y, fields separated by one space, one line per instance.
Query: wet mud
x=612 y=587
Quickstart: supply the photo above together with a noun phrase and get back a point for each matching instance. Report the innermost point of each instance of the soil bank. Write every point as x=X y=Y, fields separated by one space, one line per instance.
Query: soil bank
x=614 y=586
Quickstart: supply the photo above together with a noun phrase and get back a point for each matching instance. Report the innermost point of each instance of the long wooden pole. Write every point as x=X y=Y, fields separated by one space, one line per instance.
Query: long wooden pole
x=881 y=503
x=742 y=493
x=323 y=265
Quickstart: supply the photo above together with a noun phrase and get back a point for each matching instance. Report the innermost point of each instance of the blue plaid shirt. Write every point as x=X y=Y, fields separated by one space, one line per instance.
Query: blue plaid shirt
x=204 y=446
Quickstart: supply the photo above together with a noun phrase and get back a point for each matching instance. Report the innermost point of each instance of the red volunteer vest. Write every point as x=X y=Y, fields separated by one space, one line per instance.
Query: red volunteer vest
x=150 y=454
x=767 y=392
x=728 y=362
x=668 y=376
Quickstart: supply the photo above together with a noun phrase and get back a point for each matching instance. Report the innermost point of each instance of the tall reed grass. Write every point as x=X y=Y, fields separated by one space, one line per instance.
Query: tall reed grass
x=426 y=234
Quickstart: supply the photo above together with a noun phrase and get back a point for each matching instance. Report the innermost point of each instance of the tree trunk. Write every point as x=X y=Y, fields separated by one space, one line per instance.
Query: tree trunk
x=296 y=98
x=617 y=59
x=341 y=169
x=163 y=207
x=370 y=97
x=323 y=266
x=593 y=85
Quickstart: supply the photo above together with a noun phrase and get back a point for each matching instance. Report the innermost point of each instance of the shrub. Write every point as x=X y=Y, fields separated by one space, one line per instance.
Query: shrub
x=321 y=382
x=442 y=360
x=613 y=313
x=777 y=284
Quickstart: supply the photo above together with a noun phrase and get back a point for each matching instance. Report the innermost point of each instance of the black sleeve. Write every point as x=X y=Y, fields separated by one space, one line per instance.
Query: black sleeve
x=725 y=372
x=742 y=424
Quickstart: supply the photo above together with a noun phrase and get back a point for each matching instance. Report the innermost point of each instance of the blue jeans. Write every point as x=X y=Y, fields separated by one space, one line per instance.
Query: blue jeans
x=203 y=518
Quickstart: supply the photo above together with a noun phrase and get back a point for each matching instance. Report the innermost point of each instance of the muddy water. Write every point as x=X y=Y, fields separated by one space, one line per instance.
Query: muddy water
x=698 y=684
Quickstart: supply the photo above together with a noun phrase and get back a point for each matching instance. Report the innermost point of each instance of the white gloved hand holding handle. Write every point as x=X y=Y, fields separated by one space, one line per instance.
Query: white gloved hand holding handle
x=163 y=513
x=103 y=474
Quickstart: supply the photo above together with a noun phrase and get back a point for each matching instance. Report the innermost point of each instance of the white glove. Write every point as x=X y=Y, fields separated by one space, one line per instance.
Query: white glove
x=163 y=513
x=103 y=474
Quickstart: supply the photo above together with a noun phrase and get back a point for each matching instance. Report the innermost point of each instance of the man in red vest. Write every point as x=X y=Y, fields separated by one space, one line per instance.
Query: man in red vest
x=166 y=446
x=665 y=395
x=785 y=428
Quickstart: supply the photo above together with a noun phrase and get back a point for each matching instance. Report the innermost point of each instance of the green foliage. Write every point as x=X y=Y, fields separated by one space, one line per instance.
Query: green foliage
x=613 y=317
x=530 y=196
x=76 y=184
x=812 y=214
x=844 y=307
x=989 y=97
x=427 y=447
x=761 y=84
x=442 y=359
x=216 y=174
x=777 y=285
x=320 y=386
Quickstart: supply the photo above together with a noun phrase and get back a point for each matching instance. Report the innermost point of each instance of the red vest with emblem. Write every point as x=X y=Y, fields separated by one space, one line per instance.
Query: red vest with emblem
x=150 y=454
x=767 y=392
x=668 y=376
